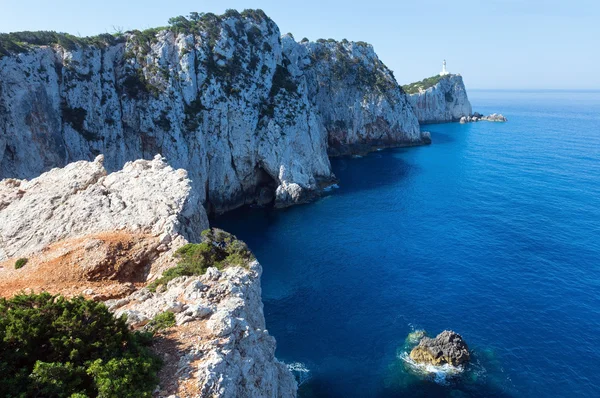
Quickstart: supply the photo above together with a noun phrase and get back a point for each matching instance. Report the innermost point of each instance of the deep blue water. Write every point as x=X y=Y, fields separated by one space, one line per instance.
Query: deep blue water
x=492 y=231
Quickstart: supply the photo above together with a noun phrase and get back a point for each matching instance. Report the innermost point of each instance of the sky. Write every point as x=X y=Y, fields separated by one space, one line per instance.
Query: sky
x=499 y=44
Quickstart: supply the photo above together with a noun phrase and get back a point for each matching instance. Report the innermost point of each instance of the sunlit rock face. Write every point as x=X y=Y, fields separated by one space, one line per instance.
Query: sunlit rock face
x=445 y=101
x=447 y=347
x=145 y=197
x=216 y=100
x=360 y=101
x=250 y=114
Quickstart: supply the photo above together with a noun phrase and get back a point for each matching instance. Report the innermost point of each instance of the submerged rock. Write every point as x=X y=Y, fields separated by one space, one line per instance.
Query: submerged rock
x=447 y=347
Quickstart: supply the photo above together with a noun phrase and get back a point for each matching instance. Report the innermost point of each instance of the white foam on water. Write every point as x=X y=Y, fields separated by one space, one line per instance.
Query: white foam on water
x=299 y=370
x=439 y=373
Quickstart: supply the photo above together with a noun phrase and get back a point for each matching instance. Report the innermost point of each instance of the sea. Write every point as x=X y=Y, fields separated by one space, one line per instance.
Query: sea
x=492 y=231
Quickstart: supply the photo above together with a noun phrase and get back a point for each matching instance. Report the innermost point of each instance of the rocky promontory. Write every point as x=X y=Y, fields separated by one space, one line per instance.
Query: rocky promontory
x=81 y=230
x=439 y=99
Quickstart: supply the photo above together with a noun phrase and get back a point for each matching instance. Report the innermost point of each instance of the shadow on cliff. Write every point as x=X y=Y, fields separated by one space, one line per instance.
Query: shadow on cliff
x=373 y=171
x=438 y=138
x=171 y=349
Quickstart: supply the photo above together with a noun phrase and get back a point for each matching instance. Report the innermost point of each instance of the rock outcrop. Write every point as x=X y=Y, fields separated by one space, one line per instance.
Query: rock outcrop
x=105 y=235
x=476 y=117
x=146 y=197
x=444 y=101
x=247 y=113
x=361 y=105
x=220 y=344
x=447 y=347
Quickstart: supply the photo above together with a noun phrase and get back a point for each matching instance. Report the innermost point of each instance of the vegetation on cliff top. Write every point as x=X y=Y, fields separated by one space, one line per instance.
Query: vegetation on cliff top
x=414 y=88
x=218 y=249
x=51 y=346
x=20 y=42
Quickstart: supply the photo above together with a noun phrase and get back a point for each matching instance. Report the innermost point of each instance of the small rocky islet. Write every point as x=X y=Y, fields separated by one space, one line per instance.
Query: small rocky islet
x=447 y=348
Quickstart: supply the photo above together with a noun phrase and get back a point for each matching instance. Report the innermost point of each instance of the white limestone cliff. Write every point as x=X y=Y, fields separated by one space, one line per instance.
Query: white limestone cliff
x=358 y=98
x=220 y=323
x=100 y=232
x=215 y=101
x=445 y=101
x=248 y=114
x=146 y=196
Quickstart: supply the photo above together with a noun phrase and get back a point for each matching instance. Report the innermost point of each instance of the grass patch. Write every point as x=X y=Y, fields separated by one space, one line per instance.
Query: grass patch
x=20 y=263
x=218 y=249
x=161 y=321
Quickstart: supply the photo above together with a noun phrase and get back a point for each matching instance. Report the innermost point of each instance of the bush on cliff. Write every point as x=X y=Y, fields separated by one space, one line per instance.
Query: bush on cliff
x=424 y=84
x=20 y=263
x=51 y=346
x=218 y=249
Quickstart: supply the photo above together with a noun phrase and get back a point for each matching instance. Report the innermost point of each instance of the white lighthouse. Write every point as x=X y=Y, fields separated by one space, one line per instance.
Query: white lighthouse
x=444 y=72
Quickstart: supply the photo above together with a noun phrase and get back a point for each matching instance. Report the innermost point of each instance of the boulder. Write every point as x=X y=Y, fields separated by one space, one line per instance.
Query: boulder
x=496 y=117
x=447 y=347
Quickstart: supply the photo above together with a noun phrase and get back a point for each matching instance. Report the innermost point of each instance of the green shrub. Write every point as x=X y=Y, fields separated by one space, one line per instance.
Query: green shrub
x=282 y=79
x=161 y=321
x=51 y=346
x=19 y=42
x=20 y=263
x=219 y=249
x=424 y=84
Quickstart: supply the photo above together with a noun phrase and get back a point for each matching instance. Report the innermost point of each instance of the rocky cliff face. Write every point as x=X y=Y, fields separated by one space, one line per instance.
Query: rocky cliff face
x=214 y=99
x=247 y=113
x=146 y=197
x=104 y=235
x=445 y=101
x=220 y=347
x=357 y=96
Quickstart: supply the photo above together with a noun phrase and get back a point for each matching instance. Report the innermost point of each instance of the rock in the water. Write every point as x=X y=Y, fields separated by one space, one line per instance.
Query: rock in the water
x=447 y=347
x=476 y=117
x=495 y=117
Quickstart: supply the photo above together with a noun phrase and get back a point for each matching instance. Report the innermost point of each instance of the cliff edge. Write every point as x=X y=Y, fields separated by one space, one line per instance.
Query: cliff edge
x=80 y=230
x=250 y=114
x=439 y=99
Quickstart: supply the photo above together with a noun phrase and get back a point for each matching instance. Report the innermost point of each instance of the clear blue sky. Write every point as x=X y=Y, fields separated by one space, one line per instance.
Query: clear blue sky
x=493 y=43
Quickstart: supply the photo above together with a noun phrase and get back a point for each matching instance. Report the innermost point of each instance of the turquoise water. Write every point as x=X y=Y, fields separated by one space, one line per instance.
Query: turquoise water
x=492 y=231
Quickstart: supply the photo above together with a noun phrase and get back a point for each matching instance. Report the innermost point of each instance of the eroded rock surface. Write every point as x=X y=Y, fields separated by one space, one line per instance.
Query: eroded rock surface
x=146 y=197
x=249 y=114
x=445 y=101
x=476 y=117
x=447 y=347
x=221 y=344
x=105 y=235
x=357 y=96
